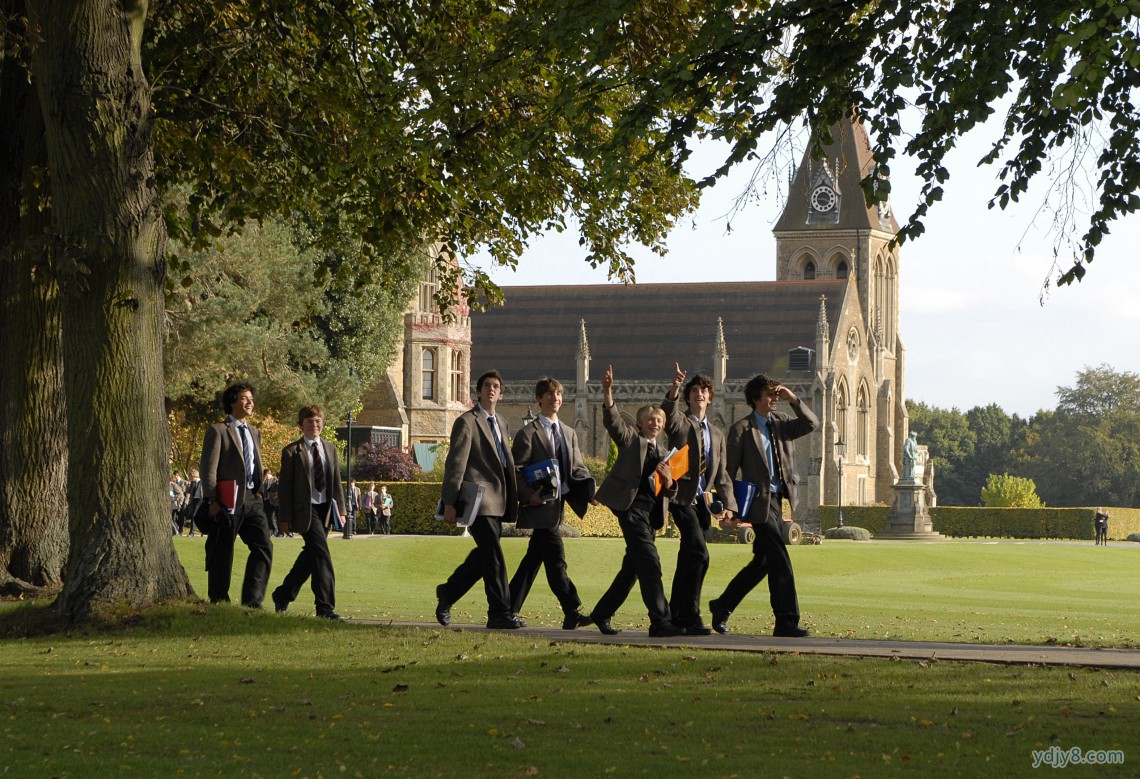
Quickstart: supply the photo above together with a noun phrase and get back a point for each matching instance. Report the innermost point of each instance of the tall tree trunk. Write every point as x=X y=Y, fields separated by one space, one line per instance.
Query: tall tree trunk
x=88 y=71
x=33 y=451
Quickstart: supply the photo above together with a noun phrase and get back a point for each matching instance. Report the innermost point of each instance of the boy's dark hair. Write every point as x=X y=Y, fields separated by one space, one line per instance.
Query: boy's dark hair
x=485 y=376
x=756 y=387
x=230 y=396
x=702 y=381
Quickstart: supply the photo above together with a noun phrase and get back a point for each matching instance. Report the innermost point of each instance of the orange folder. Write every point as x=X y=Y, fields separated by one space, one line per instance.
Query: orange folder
x=678 y=467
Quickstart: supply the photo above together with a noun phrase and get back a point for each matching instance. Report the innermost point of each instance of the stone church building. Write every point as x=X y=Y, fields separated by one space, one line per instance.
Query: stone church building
x=828 y=327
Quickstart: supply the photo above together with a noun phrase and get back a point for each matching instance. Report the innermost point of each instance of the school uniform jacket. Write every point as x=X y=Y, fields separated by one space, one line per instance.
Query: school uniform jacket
x=681 y=429
x=295 y=484
x=474 y=457
x=620 y=487
x=748 y=460
x=532 y=445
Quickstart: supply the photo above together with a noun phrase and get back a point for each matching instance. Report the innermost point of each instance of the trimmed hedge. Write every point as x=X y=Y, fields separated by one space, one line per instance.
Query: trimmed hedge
x=413 y=513
x=873 y=518
x=982 y=521
x=413 y=509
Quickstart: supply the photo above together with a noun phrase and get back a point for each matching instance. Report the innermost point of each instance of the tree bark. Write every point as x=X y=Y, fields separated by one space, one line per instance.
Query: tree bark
x=33 y=452
x=87 y=68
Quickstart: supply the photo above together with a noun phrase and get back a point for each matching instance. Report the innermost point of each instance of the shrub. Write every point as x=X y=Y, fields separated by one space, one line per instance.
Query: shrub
x=413 y=510
x=848 y=532
x=1010 y=492
x=384 y=463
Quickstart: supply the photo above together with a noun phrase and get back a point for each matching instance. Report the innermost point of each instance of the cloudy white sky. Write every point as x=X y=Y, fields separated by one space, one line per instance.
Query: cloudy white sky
x=973 y=320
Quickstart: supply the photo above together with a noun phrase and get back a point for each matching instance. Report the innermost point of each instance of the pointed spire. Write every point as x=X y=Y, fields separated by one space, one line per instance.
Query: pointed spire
x=581 y=410
x=721 y=349
x=822 y=336
x=583 y=343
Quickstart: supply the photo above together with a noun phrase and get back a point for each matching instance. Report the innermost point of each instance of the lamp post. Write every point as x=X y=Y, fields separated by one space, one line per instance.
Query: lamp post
x=530 y=417
x=350 y=514
x=840 y=450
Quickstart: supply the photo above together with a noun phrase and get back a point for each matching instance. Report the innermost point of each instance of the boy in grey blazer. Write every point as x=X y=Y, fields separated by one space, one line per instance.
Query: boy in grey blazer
x=628 y=493
x=690 y=508
x=547 y=438
x=480 y=453
x=762 y=450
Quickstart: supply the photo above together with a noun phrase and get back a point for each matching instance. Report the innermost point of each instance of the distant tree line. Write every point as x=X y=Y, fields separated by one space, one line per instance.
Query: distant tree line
x=1086 y=452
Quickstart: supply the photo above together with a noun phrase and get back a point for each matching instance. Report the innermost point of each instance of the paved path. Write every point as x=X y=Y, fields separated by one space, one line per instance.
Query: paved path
x=845 y=647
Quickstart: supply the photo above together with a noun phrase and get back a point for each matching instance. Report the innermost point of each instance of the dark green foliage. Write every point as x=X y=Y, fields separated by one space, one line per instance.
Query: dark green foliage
x=413 y=510
x=966 y=522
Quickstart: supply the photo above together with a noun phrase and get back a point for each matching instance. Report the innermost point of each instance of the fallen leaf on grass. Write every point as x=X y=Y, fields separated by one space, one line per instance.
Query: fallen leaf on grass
x=400 y=688
x=517 y=743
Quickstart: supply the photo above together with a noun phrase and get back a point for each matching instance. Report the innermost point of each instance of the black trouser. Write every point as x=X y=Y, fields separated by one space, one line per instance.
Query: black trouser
x=271 y=517
x=692 y=565
x=640 y=564
x=545 y=549
x=484 y=562
x=249 y=524
x=370 y=514
x=315 y=561
x=769 y=558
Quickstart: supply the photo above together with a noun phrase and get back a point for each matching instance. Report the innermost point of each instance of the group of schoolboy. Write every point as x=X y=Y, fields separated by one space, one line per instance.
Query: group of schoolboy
x=640 y=490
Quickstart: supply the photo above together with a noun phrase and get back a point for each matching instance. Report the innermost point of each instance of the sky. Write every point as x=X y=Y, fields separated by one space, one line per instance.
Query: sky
x=977 y=321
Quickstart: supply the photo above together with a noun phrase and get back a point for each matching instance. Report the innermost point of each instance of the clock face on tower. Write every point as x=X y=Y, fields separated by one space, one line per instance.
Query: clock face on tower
x=823 y=199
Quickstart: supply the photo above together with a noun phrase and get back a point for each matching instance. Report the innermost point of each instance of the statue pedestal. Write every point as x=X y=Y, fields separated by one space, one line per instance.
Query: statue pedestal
x=909 y=517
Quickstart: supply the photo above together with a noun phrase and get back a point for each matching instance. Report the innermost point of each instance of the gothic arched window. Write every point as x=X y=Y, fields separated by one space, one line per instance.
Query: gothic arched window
x=809 y=270
x=863 y=429
x=841 y=270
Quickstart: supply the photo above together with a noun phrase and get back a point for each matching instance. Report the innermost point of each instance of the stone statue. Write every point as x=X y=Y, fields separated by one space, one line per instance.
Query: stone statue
x=910 y=457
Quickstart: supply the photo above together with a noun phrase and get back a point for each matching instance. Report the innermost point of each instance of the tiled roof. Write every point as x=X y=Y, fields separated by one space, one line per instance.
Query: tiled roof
x=643 y=329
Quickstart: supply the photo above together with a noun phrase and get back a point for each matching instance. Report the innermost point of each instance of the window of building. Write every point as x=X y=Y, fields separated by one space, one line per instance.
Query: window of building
x=809 y=270
x=429 y=374
x=841 y=413
x=457 y=393
x=841 y=270
x=862 y=410
x=428 y=287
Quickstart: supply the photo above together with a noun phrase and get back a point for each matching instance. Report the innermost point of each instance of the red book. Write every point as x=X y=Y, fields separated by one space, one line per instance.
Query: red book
x=227 y=493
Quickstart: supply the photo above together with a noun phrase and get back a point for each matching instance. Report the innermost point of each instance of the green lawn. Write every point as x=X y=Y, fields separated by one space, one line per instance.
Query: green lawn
x=952 y=591
x=194 y=690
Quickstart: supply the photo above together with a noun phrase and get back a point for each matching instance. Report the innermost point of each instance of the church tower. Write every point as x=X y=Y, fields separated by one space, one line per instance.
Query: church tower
x=827 y=231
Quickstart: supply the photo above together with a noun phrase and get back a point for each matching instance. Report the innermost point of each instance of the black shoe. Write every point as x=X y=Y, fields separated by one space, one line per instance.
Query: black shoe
x=510 y=622
x=520 y=620
x=719 y=618
x=665 y=630
x=791 y=631
x=604 y=626
x=279 y=603
x=442 y=608
x=330 y=615
x=697 y=629
x=574 y=620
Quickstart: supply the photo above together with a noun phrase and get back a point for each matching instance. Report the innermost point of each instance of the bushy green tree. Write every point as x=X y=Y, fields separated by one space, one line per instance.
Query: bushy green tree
x=1087 y=452
x=1010 y=491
